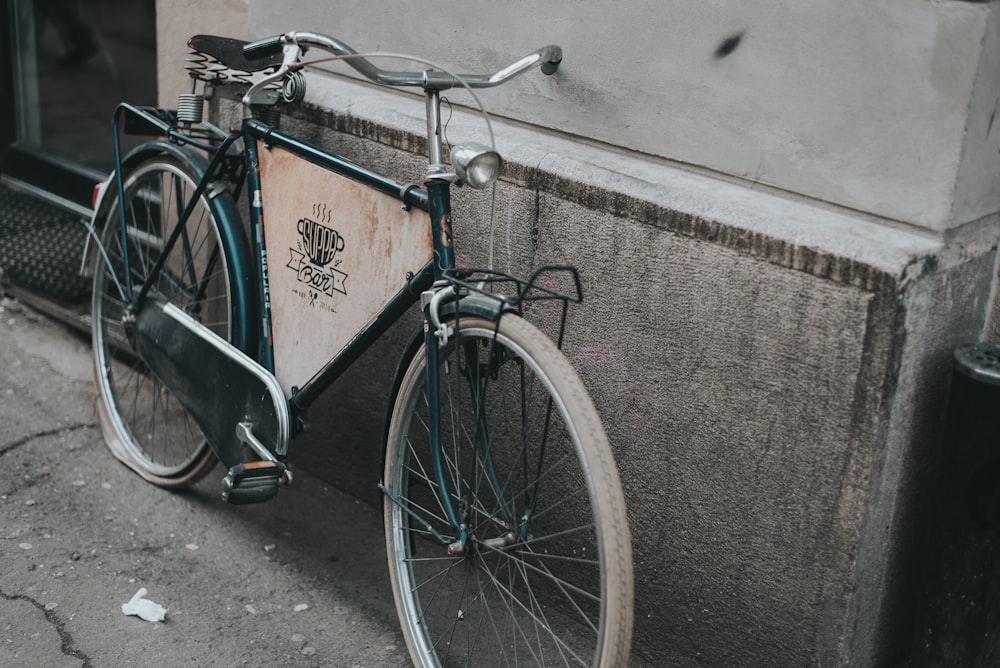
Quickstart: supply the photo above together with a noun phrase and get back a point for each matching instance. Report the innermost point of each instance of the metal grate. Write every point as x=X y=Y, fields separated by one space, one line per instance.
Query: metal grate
x=41 y=246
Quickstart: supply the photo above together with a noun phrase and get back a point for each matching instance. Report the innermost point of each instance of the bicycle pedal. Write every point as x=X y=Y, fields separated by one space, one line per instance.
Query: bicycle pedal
x=253 y=482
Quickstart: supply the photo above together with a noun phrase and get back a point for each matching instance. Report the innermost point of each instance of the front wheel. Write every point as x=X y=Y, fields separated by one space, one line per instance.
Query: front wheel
x=512 y=546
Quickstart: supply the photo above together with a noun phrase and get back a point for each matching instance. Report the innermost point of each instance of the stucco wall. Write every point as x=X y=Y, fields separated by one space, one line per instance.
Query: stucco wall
x=865 y=104
x=857 y=103
x=176 y=22
x=772 y=366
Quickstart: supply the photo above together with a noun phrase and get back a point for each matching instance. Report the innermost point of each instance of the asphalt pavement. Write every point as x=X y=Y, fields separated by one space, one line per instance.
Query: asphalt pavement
x=299 y=581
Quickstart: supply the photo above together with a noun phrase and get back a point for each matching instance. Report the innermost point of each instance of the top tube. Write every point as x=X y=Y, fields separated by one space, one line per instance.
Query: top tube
x=547 y=58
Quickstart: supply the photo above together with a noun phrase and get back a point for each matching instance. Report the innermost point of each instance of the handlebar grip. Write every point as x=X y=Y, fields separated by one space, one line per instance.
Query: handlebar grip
x=264 y=48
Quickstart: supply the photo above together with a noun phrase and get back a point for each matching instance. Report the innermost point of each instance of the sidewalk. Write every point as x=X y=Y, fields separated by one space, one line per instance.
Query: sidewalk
x=300 y=581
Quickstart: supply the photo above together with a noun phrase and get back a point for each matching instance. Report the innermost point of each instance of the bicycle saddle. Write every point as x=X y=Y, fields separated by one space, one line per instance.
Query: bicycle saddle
x=229 y=52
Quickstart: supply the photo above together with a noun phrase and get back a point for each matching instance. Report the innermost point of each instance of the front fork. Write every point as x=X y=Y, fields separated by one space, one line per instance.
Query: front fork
x=473 y=378
x=433 y=330
x=472 y=368
x=432 y=340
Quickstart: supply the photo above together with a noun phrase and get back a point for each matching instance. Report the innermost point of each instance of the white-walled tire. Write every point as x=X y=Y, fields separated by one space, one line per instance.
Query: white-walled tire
x=544 y=577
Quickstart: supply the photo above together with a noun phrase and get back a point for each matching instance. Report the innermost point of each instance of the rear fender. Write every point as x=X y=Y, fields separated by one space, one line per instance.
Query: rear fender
x=230 y=225
x=105 y=191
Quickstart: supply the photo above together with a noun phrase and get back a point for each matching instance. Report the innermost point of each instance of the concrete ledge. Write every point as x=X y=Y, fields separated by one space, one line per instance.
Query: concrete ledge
x=783 y=229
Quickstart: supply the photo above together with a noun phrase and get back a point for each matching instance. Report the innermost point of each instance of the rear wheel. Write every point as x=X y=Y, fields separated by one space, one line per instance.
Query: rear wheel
x=538 y=571
x=144 y=425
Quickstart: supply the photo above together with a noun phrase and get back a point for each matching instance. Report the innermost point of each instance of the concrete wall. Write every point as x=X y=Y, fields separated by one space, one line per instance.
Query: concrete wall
x=778 y=261
x=860 y=103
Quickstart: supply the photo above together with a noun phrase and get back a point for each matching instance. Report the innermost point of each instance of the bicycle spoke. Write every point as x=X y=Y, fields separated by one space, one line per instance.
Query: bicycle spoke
x=511 y=599
x=565 y=588
x=531 y=592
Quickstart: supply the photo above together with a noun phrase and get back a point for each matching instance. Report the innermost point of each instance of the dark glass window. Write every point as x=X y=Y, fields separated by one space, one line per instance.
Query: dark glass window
x=71 y=63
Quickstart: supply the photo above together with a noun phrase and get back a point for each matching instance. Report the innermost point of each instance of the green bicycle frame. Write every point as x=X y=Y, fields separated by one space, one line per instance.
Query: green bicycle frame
x=433 y=198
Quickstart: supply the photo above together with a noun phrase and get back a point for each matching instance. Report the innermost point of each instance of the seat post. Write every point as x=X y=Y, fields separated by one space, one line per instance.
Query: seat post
x=435 y=144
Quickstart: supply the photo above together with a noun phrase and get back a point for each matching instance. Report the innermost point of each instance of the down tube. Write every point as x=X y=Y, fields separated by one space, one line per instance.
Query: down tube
x=403 y=300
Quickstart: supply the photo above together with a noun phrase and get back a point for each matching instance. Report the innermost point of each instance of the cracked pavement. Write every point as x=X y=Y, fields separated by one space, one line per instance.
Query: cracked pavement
x=299 y=581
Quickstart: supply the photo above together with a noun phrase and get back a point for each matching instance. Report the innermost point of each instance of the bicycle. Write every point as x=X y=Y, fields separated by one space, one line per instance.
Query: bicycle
x=505 y=523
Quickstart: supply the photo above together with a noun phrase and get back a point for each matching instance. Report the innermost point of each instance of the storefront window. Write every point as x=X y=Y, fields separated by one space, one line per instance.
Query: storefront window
x=73 y=62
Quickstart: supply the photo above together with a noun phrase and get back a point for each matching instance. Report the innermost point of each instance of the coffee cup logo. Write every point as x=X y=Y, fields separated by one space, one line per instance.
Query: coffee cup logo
x=319 y=242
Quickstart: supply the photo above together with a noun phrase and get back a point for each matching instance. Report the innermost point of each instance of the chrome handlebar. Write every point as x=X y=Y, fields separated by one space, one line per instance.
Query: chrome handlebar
x=293 y=44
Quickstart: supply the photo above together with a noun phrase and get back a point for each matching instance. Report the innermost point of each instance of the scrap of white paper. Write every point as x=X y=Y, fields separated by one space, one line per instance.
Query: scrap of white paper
x=144 y=608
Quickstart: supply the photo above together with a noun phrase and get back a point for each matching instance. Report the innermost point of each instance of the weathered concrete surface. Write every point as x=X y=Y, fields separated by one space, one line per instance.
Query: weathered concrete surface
x=934 y=315
x=883 y=107
x=80 y=534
